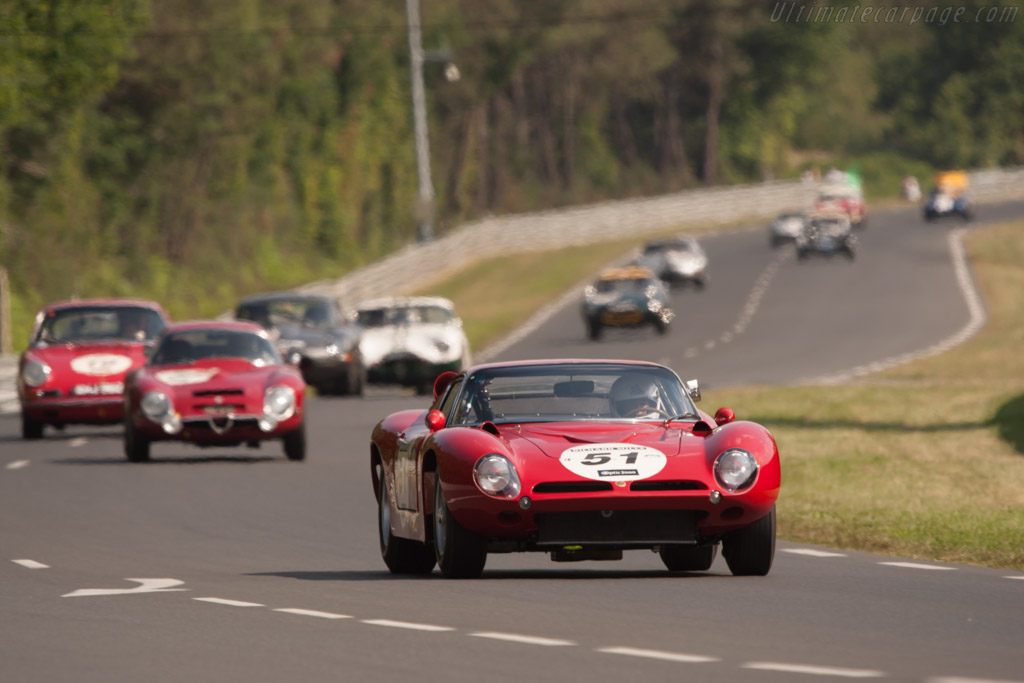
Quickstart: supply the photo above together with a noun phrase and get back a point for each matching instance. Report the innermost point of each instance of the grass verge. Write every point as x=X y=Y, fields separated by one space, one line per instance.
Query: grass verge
x=923 y=461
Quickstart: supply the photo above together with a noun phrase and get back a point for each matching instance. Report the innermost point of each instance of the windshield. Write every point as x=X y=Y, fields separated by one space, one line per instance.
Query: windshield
x=191 y=345
x=567 y=393
x=403 y=315
x=284 y=312
x=623 y=286
x=100 y=323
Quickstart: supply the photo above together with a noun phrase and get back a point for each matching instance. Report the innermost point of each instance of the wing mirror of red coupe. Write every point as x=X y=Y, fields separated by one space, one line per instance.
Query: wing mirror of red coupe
x=724 y=416
x=434 y=420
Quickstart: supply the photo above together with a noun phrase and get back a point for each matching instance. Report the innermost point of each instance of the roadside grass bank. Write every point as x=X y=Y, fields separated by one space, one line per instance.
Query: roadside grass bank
x=923 y=461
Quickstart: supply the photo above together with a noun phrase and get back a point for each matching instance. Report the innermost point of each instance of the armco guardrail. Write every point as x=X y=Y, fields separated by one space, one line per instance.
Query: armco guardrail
x=415 y=265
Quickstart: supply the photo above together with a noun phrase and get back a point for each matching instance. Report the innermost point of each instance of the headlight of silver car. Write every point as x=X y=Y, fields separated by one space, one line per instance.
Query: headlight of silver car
x=278 y=405
x=35 y=373
x=735 y=469
x=497 y=476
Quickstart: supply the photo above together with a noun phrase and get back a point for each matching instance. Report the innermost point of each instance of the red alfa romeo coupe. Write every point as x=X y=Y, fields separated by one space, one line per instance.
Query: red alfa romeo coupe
x=214 y=383
x=582 y=459
x=78 y=355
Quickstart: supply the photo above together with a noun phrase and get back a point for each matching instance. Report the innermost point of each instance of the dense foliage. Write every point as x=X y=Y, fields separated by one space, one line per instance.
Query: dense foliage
x=194 y=151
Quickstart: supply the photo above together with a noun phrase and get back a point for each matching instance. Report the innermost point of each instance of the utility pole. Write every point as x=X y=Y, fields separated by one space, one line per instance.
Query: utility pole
x=425 y=199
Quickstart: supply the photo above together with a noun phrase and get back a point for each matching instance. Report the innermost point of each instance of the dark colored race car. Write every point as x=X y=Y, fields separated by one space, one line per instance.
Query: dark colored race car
x=949 y=197
x=626 y=297
x=78 y=355
x=214 y=383
x=581 y=459
x=827 y=234
x=310 y=331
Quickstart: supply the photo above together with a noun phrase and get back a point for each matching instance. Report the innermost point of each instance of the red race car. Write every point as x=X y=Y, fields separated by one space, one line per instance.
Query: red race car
x=214 y=383
x=581 y=459
x=78 y=355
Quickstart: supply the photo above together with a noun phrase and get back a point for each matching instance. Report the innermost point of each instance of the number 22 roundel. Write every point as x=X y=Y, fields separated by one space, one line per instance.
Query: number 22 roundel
x=613 y=461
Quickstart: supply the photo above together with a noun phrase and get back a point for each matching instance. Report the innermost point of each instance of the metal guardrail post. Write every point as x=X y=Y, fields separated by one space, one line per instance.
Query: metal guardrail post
x=5 y=313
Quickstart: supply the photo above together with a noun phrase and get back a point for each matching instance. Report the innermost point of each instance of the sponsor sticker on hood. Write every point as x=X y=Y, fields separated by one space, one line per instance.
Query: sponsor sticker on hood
x=613 y=461
x=101 y=364
x=177 y=378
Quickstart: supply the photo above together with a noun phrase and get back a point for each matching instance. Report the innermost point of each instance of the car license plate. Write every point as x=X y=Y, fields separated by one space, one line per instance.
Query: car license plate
x=101 y=389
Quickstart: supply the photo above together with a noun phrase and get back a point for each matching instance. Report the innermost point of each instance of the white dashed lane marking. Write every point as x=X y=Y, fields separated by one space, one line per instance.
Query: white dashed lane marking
x=312 y=613
x=813 y=670
x=916 y=565
x=406 y=624
x=658 y=654
x=31 y=564
x=230 y=603
x=78 y=442
x=17 y=464
x=811 y=552
x=518 y=638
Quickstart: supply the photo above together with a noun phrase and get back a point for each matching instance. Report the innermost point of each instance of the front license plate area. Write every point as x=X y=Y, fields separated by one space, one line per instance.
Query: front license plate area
x=616 y=527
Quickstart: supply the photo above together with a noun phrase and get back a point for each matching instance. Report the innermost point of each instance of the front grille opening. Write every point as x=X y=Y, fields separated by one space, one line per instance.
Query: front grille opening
x=218 y=392
x=668 y=485
x=572 y=487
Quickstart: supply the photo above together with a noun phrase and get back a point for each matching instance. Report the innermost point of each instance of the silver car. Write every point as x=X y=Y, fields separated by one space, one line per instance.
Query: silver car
x=786 y=228
x=676 y=260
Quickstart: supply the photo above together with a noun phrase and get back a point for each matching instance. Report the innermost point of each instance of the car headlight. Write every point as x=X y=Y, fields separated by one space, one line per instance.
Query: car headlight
x=35 y=373
x=497 y=476
x=735 y=469
x=156 y=405
x=442 y=345
x=278 y=405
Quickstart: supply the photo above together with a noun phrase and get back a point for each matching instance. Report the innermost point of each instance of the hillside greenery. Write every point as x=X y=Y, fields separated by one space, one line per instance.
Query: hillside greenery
x=193 y=152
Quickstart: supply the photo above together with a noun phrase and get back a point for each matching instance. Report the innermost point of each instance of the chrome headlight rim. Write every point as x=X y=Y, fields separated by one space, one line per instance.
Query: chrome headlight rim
x=156 y=405
x=496 y=476
x=35 y=373
x=736 y=469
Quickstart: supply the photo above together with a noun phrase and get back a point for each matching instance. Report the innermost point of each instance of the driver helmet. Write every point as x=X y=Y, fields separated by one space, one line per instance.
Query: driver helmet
x=635 y=396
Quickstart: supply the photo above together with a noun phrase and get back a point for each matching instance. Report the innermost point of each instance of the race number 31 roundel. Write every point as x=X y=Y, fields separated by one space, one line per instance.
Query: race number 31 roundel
x=613 y=461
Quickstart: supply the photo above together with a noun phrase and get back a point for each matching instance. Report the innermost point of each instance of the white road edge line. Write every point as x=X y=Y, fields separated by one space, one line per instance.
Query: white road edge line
x=312 y=613
x=18 y=464
x=517 y=638
x=232 y=603
x=811 y=552
x=658 y=654
x=916 y=565
x=1019 y=578
x=78 y=441
x=813 y=670
x=406 y=624
x=31 y=564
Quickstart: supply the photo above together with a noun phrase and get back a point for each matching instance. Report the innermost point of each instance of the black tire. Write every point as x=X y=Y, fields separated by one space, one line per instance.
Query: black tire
x=295 y=443
x=136 y=446
x=460 y=554
x=660 y=326
x=30 y=429
x=749 y=551
x=685 y=558
x=593 y=330
x=401 y=555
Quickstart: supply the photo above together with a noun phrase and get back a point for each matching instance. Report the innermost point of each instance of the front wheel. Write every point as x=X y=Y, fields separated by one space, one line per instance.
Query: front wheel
x=136 y=446
x=30 y=429
x=401 y=555
x=749 y=551
x=593 y=330
x=295 y=443
x=684 y=558
x=461 y=554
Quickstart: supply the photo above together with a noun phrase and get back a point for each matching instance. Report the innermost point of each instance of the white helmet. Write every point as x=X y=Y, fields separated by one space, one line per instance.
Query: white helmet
x=636 y=396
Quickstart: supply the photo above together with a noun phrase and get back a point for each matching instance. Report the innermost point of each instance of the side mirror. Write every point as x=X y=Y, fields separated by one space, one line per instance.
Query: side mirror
x=442 y=382
x=434 y=420
x=293 y=357
x=724 y=416
x=693 y=389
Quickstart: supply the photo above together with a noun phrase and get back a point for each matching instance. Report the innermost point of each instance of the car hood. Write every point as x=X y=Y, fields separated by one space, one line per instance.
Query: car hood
x=433 y=343
x=552 y=439
x=101 y=360
x=214 y=373
x=298 y=336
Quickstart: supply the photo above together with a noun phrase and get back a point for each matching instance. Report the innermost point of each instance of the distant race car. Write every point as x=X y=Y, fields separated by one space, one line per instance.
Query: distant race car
x=410 y=340
x=786 y=228
x=949 y=197
x=626 y=297
x=78 y=354
x=676 y=260
x=581 y=459
x=214 y=383
x=827 y=234
x=846 y=198
x=310 y=331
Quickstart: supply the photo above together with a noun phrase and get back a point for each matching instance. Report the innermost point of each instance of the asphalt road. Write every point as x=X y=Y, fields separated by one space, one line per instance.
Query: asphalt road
x=237 y=565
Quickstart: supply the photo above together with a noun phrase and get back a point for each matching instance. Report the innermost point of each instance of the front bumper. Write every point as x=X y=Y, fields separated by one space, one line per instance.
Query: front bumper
x=82 y=410
x=408 y=370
